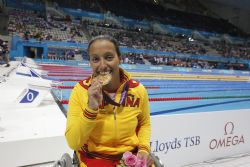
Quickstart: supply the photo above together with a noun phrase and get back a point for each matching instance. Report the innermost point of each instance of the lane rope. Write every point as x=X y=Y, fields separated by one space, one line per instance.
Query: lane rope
x=71 y=87
x=184 y=98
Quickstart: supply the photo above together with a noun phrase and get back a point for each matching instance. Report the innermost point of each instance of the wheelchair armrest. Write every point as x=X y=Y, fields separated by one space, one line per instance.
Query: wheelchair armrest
x=75 y=161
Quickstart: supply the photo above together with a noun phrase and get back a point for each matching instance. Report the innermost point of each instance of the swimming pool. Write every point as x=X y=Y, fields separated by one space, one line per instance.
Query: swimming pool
x=194 y=107
x=172 y=92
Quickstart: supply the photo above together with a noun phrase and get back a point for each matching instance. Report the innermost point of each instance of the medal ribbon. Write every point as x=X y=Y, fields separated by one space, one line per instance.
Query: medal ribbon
x=124 y=94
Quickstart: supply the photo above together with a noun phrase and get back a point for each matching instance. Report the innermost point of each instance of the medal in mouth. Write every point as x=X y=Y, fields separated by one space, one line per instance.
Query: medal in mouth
x=104 y=79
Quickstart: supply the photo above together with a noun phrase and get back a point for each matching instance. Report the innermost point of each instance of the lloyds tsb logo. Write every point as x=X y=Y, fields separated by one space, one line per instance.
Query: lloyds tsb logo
x=228 y=140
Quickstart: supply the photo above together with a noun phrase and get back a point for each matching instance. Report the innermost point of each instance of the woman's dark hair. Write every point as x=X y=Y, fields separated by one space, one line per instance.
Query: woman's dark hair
x=108 y=38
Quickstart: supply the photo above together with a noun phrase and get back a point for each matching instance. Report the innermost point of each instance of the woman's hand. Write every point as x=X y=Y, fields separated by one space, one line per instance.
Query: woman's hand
x=143 y=155
x=95 y=95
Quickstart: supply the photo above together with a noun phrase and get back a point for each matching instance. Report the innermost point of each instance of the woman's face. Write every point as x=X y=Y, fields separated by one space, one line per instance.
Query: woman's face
x=104 y=58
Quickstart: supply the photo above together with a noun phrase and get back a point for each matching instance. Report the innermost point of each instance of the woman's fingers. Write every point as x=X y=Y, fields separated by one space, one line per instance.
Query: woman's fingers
x=95 y=95
x=97 y=89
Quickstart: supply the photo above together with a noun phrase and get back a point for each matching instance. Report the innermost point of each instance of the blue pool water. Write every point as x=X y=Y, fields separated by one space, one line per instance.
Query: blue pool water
x=225 y=96
x=214 y=95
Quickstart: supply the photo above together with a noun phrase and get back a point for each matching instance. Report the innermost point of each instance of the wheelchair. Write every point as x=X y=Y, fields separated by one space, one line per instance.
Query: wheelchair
x=67 y=161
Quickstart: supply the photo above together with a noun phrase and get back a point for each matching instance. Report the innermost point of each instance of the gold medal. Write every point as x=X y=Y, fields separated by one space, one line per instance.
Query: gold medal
x=104 y=79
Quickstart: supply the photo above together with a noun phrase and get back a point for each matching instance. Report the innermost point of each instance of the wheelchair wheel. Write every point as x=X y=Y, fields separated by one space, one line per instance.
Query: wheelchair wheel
x=65 y=161
x=157 y=161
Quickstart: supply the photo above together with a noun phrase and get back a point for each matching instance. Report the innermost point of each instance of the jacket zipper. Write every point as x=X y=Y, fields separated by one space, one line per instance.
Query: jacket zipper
x=115 y=125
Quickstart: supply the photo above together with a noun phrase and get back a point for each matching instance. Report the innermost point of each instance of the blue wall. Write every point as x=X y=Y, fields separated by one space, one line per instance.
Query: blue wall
x=18 y=45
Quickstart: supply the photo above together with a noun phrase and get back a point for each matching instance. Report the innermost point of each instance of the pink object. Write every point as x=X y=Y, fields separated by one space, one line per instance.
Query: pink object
x=141 y=163
x=130 y=160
